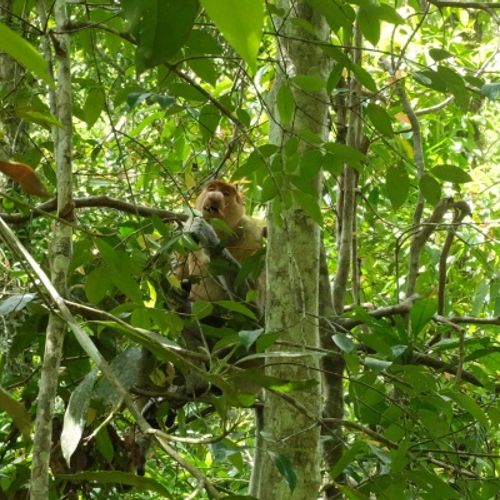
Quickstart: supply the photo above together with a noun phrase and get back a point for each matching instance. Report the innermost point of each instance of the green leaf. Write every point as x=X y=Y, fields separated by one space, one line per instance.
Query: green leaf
x=46 y=120
x=310 y=205
x=236 y=307
x=16 y=411
x=369 y=24
x=421 y=313
x=118 y=264
x=380 y=119
x=469 y=405
x=249 y=337
x=431 y=189
x=286 y=104
x=160 y=26
x=397 y=184
x=240 y=22
x=343 y=342
x=334 y=77
x=491 y=90
x=337 y=14
x=453 y=80
x=309 y=83
x=209 y=120
x=439 y=54
x=97 y=284
x=451 y=173
x=94 y=104
x=347 y=154
x=364 y=77
x=24 y=53
x=75 y=415
x=201 y=309
x=376 y=364
x=348 y=456
x=388 y=13
x=117 y=477
x=285 y=468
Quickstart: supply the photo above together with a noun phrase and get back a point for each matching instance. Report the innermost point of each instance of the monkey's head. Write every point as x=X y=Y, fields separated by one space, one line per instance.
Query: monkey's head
x=220 y=200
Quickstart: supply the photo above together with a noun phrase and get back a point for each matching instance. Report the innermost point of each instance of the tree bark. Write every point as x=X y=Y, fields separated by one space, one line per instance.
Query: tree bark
x=60 y=252
x=290 y=430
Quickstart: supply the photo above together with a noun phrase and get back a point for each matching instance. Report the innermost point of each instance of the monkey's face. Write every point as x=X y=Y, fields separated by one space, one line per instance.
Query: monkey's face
x=221 y=201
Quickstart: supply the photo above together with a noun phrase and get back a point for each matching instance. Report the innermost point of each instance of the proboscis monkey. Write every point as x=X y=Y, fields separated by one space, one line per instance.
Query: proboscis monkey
x=242 y=237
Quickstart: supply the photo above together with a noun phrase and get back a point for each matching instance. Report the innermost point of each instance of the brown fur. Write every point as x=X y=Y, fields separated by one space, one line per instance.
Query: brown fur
x=220 y=200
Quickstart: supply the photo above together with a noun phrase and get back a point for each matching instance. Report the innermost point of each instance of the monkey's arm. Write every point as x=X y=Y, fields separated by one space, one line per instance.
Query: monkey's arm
x=204 y=234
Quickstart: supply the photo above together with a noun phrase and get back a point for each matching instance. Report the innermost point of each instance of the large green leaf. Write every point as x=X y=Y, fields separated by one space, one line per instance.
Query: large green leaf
x=24 y=53
x=209 y=120
x=240 y=22
x=451 y=173
x=286 y=104
x=431 y=189
x=369 y=24
x=421 y=313
x=380 y=119
x=160 y=26
x=75 y=416
x=397 y=184
x=309 y=83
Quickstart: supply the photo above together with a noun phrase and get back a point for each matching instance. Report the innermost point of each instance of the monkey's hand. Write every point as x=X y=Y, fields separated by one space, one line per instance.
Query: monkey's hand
x=204 y=234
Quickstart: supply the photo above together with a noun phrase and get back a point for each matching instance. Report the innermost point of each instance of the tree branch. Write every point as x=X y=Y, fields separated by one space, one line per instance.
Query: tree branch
x=465 y=5
x=46 y=208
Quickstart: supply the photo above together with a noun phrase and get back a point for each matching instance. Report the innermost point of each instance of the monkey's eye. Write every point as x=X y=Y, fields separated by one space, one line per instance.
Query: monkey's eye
x=226 y=192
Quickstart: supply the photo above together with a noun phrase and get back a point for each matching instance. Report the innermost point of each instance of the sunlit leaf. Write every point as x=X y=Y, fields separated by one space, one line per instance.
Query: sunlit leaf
x=240 y=22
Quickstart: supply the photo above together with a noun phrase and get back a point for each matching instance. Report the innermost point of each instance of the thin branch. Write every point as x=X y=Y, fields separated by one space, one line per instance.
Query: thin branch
x=397 y=309
x=461 y=209
x=47 y=207
x=465 y=5
x=420 y=239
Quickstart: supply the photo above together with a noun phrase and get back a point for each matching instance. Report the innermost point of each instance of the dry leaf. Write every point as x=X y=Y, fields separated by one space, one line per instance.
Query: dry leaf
x=25 y=176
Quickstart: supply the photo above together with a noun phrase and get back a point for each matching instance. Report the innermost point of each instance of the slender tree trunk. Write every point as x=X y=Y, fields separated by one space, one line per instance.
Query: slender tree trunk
x=291 y=431
x=60 y=257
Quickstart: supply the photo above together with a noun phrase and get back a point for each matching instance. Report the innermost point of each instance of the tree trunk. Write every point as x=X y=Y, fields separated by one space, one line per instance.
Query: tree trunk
x=291 y=432
x=60 y=257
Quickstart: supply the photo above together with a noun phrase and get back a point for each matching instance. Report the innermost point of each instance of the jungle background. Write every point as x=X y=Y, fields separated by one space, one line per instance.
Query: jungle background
x=116 y=113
